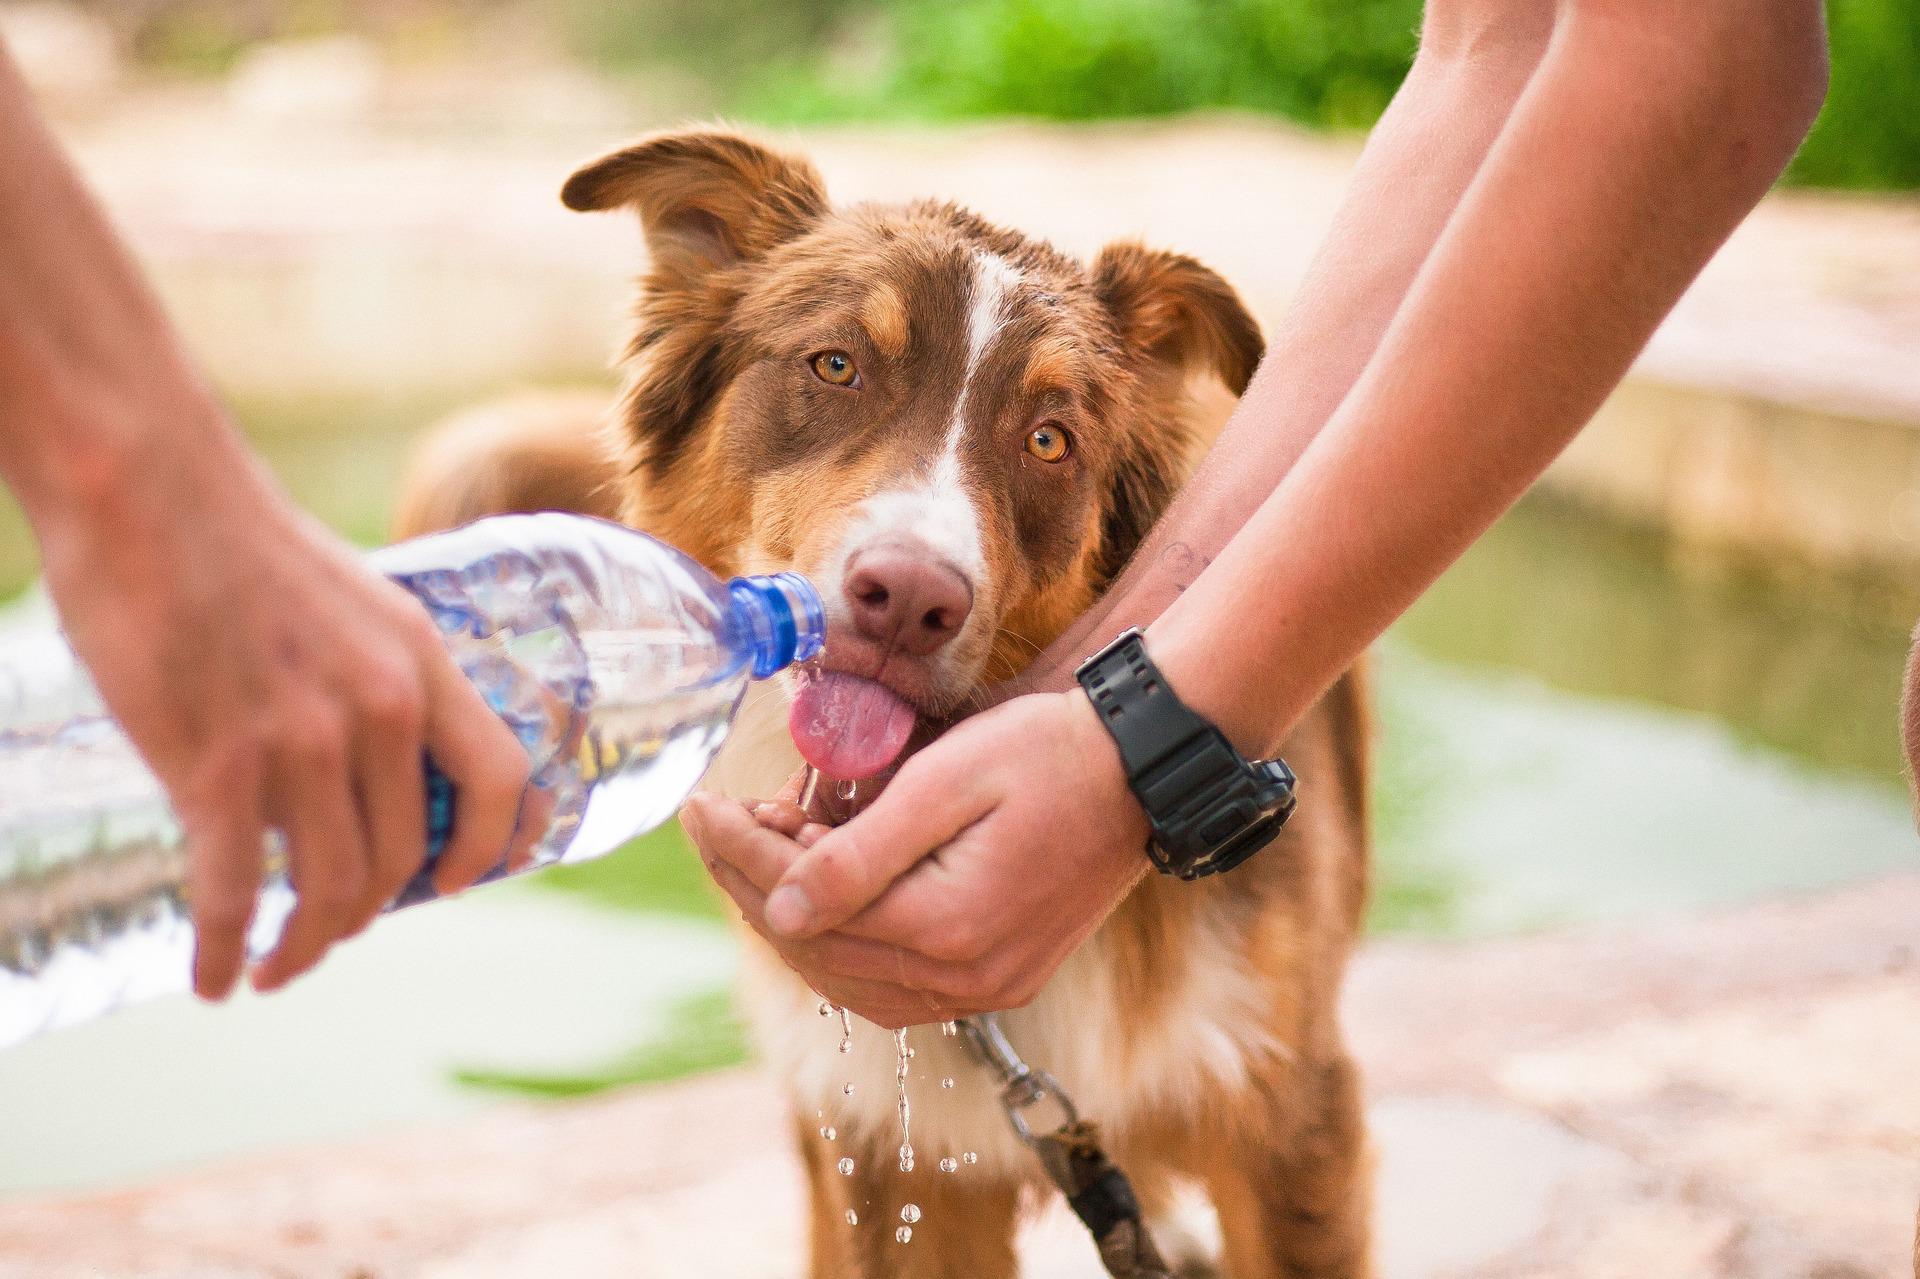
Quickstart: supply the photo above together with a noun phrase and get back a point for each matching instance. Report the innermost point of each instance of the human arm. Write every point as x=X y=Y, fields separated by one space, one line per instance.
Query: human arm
x=266 y=676
x=1633 y=148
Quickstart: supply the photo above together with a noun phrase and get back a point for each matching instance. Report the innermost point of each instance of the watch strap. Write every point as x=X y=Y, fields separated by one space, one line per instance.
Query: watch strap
x=1209 y=807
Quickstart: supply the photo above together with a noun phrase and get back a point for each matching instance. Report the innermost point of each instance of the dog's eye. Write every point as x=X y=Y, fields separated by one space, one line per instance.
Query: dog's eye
x=1049 y=443
x=835 y=368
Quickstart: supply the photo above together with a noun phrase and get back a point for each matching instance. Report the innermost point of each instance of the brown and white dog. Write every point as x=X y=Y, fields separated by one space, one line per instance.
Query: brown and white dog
x=961 y=434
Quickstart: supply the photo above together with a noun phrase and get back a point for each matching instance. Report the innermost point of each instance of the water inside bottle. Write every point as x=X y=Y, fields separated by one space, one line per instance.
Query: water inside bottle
x=619 y=709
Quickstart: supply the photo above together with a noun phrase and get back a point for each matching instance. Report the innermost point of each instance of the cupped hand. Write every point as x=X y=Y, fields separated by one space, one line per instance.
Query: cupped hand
x=992 y=854
x=271 y=680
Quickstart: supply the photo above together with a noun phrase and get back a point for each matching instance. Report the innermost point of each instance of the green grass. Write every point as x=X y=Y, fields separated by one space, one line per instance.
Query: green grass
x=702 y=1033
x=659 y=873
x=656 y=874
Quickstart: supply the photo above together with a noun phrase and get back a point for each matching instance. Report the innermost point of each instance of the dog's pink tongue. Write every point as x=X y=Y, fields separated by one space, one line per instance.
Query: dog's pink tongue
x=848 y=727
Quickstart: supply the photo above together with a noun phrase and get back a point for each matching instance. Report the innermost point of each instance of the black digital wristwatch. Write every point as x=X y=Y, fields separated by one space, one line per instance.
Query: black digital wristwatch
x=1211 y=808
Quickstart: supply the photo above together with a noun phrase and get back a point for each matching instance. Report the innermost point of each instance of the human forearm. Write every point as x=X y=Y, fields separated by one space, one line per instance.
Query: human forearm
x=89 y=367
x=1635 y=150
x=268 y=679
x=1475 y=59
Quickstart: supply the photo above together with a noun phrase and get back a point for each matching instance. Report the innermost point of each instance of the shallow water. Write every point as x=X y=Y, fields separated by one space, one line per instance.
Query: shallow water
x=1576 y=726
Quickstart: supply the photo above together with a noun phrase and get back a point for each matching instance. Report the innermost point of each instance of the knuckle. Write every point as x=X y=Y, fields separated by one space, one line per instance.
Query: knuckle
x=316 y=740
x=391 y=700
x=1019 y=986
x=971 y=984
x=222 y=913
x=416 y=628
x=959 y=939
x=825 y=873
x=507 y=771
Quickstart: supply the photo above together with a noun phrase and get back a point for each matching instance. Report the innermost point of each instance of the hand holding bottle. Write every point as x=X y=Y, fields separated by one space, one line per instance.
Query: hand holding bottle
x=269 y=679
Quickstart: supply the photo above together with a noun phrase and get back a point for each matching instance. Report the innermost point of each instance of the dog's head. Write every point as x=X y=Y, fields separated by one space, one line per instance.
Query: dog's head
x=959 y=433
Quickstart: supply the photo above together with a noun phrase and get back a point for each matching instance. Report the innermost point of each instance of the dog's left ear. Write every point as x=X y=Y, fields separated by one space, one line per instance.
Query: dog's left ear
x=1174 y=317
x=706 y=198
x=1175 y=312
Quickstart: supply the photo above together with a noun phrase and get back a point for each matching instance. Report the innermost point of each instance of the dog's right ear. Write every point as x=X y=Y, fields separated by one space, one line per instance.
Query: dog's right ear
x=706 y=199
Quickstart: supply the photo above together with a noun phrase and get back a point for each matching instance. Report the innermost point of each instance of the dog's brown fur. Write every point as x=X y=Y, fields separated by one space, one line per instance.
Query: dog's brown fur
x=723 y=447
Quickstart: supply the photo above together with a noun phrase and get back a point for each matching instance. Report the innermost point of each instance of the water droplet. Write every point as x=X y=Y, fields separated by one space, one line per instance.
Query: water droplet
x=947 y=1082
x=910 y=1213
x=846 y=1167
x=846 y=1045
x=906 y=1159
x=846 y=1090
x=949 y=1028
x=912 y=1053
x=968 y=1157
x=826 y=1009
x=949 y=1164
x=847 y=790
x=904 y=1234
x=829 y=1131
x=853 y=1218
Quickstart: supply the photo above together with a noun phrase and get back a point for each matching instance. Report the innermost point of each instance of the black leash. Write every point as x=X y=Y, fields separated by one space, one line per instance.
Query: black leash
x=1097 y=1191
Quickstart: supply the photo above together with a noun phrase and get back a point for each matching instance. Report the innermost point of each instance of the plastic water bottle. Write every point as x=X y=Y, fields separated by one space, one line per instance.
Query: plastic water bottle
x=618 y=662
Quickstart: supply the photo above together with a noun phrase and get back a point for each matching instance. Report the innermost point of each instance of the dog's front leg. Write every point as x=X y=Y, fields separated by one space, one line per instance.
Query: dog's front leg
x=964 y=1227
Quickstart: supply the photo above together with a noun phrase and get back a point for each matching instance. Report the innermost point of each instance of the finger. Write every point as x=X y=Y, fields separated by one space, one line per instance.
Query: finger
x=488 y=769
x=925 y=806
x=778 y=815
x=327 y=862
x=795 y=787
x=726 y=831
x=226 y=852
x=536 y=813
x=881 y=972
x=848 y=973
x=393 y=798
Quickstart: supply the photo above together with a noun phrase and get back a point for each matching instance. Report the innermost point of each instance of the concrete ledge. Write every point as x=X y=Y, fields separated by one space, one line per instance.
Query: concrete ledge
x=1774 y=412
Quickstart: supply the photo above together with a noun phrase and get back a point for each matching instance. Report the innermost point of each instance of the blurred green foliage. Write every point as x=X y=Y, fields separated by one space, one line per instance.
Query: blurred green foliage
x=1324 y=63
x=701 y=1033
x=1868 y=135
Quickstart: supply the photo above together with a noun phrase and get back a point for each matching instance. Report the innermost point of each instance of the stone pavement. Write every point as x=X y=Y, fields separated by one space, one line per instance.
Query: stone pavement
x=1735 y=1096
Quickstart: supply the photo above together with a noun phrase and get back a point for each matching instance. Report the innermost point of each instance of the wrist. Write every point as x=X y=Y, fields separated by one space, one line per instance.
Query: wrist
x=82 y=438
x=133 y=485
x=1108 y=775
x=1201 y=679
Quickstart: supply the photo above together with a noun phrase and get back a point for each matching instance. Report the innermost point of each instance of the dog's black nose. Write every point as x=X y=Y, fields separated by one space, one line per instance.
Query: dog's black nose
x=906 y=596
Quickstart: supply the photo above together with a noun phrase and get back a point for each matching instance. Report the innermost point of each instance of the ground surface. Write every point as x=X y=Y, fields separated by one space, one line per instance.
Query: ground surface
x=1734 y=1095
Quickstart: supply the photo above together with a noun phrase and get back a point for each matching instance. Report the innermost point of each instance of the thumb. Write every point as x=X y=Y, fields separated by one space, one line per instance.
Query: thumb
x=924 y=807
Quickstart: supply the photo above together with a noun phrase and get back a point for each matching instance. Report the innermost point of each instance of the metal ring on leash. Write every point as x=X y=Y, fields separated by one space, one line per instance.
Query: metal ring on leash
x=1096 y=1189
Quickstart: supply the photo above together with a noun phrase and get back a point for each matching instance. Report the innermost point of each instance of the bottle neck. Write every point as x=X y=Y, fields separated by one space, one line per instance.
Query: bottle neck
x=781 y=620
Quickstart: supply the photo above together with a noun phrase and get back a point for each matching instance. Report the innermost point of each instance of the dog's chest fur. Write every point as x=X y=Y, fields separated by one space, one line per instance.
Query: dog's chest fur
x=1207 y=1036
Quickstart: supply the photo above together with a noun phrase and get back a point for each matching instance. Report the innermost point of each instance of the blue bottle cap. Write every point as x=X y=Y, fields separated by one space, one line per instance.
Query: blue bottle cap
x=781 y=619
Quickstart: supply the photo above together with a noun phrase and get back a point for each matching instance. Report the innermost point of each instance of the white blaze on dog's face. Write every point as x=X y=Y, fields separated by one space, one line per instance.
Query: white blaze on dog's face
x=957 y=432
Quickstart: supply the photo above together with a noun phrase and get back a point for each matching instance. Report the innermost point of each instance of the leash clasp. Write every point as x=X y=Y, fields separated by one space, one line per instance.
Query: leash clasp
x=1022 y=1087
